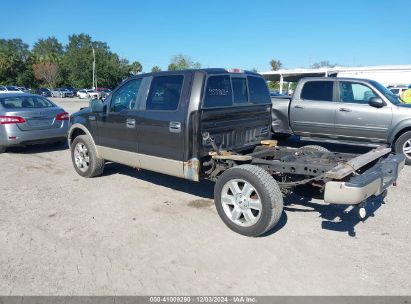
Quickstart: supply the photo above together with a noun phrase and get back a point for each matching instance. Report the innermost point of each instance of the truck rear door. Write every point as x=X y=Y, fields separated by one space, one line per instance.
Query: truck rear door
x=312 y=109
x=235 y=111
x=160 y=121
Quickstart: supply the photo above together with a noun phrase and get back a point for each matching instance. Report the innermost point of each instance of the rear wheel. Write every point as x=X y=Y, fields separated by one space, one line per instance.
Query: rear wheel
x=2 y=149
x=403 y=146
x=84 y=157
x=248 y=200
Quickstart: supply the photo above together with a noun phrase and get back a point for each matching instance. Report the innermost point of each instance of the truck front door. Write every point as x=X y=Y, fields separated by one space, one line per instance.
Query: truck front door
x=312 y=109
x=356 y=119
x=117 y=136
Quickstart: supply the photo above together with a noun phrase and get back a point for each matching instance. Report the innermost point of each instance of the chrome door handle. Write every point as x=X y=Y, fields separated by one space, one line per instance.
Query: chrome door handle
x=174 y=127
x=130 y=123
x=298 y=107
x=344 y=110
x=92 y=117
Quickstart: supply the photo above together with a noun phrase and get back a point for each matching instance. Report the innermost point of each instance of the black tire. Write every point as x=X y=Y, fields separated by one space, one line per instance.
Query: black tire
x=2 y=149
x=315 y=148
x=96 y=165
x=268 y=191
x=399 y=146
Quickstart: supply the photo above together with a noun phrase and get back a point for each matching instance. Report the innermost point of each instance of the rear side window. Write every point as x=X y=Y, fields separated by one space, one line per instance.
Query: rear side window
x=318 y=90
x=20 y=102
x=164 y=94
x=259 y=93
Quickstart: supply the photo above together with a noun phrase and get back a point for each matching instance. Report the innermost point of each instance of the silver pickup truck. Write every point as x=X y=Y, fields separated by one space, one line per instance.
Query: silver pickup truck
x=344 y=110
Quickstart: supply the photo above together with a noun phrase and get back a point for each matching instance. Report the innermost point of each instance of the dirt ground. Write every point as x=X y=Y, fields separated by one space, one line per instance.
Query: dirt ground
x=134 y=232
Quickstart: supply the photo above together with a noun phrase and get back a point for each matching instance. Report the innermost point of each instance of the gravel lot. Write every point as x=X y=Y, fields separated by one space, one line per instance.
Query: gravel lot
x=134 y=232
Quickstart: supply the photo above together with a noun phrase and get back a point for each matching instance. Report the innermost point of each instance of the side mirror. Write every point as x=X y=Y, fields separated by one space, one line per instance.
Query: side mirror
x=96 y=105
x=376 y=102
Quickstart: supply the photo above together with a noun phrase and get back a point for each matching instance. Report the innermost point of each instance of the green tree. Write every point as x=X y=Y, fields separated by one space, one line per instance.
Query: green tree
x=14 y=62
x=276 y=65
x=182 y=62
x=48 y=50
x=78 y=63
x=155 y=68
x=136 y=68
x=323 y=64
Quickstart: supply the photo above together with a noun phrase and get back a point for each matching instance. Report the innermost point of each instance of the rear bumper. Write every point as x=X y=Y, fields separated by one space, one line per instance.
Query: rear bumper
x=371 y=183
x=14 y=137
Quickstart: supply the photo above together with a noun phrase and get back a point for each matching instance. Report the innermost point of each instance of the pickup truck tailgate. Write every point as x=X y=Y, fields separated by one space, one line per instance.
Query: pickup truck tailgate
x=235 y=128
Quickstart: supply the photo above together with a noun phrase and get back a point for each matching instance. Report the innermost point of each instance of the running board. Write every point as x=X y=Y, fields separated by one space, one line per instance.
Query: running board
x=341 y=141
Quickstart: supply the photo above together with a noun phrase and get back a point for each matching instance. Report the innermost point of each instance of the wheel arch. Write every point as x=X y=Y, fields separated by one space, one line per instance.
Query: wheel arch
x=79 y=129
x=399 y=129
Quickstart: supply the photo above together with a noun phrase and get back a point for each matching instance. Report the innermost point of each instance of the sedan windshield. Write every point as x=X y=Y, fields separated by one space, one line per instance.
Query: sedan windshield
x=19 y=102
x=387 y=93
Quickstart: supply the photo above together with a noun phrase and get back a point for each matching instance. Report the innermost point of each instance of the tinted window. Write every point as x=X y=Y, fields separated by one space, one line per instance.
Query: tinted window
x=318 y=90
x=259 y=93
x=355 y=92
x=218 y=92
x=240 y=90
x=19 y=102
x=125 y=97
x=165 y=93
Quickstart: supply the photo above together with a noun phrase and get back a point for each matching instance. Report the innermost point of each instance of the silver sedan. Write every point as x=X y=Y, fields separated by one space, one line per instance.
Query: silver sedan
x=30 y=119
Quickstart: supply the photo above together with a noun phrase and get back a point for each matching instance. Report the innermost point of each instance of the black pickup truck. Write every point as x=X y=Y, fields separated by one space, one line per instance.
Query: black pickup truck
x=215 y=124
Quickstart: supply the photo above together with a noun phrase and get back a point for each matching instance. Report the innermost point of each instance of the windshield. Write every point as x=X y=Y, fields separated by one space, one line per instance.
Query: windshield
x=387 y=93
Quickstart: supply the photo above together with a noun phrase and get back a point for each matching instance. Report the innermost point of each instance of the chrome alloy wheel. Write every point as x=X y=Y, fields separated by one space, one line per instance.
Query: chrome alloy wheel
x=81 y=157
x=241 y=202
x=406 y=148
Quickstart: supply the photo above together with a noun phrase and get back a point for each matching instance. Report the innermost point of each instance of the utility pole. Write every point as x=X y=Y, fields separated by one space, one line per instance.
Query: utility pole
x=94 y=70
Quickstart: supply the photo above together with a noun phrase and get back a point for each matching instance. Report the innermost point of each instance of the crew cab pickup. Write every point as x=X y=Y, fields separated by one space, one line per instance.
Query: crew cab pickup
x=345 y=110
x=215 y=124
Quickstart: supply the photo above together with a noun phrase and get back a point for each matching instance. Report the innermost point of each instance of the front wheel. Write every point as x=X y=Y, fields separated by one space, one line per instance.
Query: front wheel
x=84 y=157
x=403 y=146
x=2 y=149
x=248 y=200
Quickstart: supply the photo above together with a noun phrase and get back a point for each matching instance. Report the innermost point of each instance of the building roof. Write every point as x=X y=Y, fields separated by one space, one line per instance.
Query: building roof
x=296 y=74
